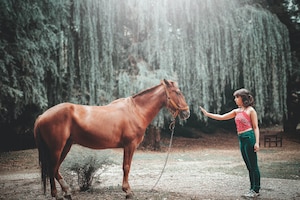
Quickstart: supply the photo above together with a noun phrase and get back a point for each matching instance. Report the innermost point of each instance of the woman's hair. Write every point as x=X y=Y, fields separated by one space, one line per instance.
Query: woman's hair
x=247 y=98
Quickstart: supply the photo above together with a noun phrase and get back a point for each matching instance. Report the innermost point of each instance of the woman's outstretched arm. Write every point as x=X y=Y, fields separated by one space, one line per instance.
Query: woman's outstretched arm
x=225 y=116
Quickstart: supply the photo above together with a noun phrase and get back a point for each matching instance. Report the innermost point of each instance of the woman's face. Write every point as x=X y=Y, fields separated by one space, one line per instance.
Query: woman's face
x=238 y=101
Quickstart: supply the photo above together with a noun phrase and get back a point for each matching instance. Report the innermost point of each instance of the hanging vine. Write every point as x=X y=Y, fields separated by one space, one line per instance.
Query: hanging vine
x=92 y=52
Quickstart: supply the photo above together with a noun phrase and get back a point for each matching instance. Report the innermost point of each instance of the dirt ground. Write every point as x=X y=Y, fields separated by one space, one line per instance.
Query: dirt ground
x=209 y=167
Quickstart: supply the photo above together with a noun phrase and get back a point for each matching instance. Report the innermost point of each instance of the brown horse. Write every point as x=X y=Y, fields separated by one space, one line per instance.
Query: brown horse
x=120 y=124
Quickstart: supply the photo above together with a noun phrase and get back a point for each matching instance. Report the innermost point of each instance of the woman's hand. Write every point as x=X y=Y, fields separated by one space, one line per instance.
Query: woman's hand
x=203 y=110
x=256 y=147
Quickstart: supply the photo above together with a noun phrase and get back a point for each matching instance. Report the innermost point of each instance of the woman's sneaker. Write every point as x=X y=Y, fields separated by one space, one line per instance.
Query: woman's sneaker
x=251 y=194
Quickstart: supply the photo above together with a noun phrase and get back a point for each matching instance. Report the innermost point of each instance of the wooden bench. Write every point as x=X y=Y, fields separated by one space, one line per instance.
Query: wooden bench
x=275 y=139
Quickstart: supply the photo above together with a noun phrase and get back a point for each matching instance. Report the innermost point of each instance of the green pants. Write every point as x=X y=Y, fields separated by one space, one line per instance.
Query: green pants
x=247 y=141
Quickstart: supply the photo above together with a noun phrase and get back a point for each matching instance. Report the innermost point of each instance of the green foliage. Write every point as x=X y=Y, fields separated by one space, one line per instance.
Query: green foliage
x=28 y=48
x=292 y=7
x=212 y=46
x=92 y=52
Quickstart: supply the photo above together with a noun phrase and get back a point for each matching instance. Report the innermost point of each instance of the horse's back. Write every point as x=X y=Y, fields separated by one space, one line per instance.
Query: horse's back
x=56 y=114
x=66 y=111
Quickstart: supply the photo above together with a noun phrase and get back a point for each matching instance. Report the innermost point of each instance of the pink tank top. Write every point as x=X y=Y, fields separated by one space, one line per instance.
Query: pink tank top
x=242 y=121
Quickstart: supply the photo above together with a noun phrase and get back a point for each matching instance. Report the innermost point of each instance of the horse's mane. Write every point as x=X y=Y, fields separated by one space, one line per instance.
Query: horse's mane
x=145 y=91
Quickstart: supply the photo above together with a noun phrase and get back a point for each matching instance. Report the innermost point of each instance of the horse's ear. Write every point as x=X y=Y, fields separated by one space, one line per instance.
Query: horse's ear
x=167 y=83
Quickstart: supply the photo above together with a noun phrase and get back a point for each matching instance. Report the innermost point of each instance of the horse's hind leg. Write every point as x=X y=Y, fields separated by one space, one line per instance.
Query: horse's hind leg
x=57 y=157
x=52 y=175
x=64 y=186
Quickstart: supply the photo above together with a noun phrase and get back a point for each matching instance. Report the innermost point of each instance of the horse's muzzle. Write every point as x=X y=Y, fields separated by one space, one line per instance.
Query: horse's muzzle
x=184 y=114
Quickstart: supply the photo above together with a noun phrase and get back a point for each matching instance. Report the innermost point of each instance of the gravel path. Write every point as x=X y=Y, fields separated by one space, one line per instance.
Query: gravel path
x=193 y=171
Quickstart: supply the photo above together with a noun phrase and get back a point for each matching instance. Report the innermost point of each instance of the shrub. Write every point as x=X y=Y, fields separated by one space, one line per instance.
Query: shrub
x=86 y=169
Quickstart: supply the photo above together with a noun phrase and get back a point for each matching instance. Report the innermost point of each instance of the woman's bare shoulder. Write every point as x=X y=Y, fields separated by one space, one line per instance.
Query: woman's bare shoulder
x=251 y=110
x=236 y=110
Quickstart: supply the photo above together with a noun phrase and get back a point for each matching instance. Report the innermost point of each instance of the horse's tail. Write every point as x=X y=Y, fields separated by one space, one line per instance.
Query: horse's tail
x=44 y=156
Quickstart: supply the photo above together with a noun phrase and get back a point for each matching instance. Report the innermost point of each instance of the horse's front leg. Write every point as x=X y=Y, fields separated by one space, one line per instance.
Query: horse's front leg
x=128 y=154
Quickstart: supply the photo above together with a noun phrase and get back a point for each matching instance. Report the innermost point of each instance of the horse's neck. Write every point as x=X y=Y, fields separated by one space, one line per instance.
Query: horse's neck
x=149 y=103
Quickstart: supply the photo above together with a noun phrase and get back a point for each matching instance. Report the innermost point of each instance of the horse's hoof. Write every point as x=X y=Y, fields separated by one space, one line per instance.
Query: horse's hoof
x=129 y=196
x=68 y=196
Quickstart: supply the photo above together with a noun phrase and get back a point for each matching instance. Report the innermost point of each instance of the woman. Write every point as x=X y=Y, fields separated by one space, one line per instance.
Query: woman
x=248 y=134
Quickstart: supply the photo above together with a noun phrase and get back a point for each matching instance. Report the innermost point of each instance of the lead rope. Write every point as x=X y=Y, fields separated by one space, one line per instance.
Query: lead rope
x=171 y=127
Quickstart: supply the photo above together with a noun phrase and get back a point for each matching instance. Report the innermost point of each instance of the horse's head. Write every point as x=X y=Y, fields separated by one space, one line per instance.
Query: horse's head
x=175 y=100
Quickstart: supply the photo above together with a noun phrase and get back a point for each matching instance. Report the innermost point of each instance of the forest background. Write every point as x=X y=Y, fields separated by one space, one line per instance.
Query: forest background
x=95 y=51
